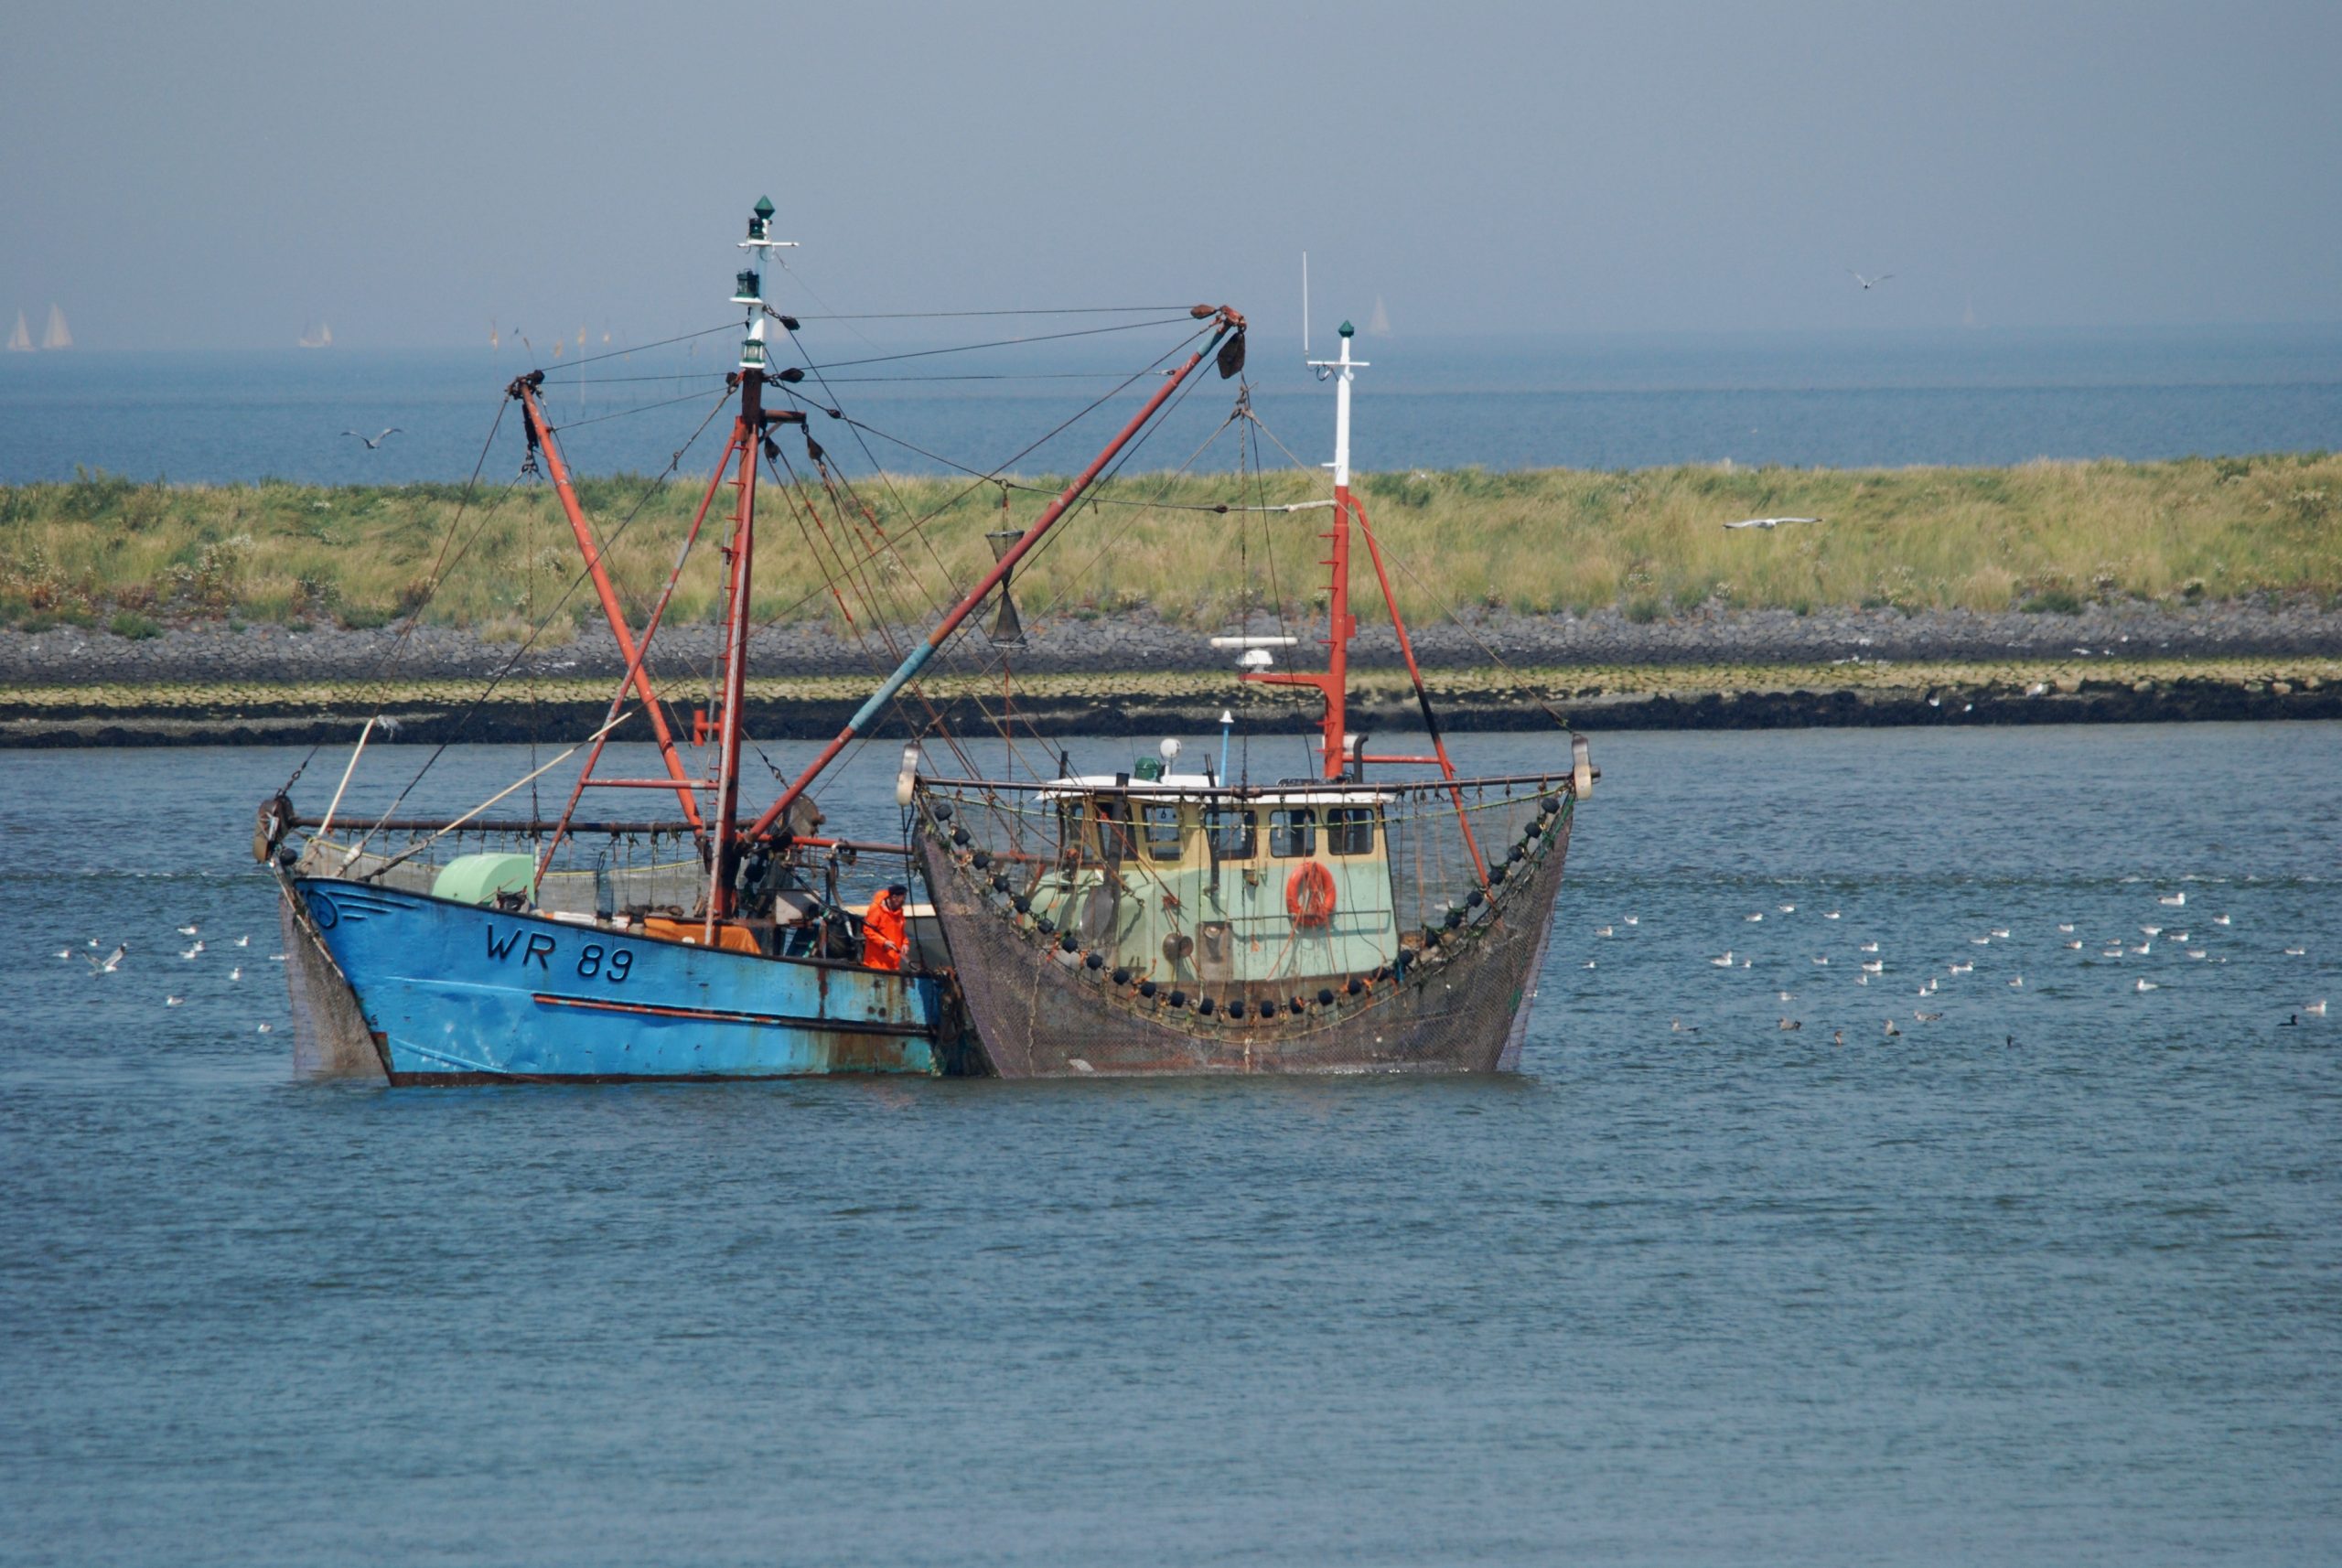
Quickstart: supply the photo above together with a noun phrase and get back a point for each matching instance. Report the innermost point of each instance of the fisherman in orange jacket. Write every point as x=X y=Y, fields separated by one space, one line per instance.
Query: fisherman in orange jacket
x=882 y=942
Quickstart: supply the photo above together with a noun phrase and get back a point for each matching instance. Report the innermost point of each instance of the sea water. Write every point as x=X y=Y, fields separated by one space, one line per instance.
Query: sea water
x=2050 y=1279
x=1605 y=402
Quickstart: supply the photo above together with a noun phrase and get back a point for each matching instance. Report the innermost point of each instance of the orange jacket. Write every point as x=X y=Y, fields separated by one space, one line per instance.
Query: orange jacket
x=882 y=943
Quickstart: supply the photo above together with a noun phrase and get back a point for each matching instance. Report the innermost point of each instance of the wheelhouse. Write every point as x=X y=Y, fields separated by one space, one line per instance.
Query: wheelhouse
x=1179 y=881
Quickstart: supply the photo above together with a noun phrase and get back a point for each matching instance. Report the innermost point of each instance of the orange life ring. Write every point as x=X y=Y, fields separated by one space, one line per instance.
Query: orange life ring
x=1309 y=895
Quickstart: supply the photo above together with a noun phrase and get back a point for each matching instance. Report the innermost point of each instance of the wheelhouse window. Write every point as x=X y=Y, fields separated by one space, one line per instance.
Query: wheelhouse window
x=1292 y=832
x=1350 y=830
x=1159 y=831
x=1114 y=830
x=1234 y=834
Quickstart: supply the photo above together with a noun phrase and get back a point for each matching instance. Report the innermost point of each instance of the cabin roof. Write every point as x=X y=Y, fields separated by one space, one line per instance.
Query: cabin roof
x=1189 y=785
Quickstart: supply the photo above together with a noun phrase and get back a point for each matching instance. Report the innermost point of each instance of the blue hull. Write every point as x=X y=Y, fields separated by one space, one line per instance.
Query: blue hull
x=457 y=994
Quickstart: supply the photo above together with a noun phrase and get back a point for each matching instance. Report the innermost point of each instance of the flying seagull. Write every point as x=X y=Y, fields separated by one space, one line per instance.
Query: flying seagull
x=1869 y=283
x=1769 y=521
x=377 y=441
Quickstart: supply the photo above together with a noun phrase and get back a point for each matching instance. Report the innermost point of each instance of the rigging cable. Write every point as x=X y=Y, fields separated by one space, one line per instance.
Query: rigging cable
x=522 y=652
x=414 y=617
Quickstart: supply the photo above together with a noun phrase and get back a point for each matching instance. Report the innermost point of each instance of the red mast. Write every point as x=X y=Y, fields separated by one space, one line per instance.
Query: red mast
x=1333 y=682
x=749 y=433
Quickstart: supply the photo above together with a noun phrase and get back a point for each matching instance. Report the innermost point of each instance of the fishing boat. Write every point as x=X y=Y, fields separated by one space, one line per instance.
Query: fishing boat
x=1387 y=914
x=480 y=948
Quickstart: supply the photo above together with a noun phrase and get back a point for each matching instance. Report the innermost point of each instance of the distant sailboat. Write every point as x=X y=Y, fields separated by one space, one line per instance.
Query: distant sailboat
x=321 y=339
x=56 y=337
x=495 y=338
x=1378 y=324
x=20 y=341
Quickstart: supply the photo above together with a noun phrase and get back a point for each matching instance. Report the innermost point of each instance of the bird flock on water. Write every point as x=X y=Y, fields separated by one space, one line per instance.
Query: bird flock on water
x=122 y=960
x=1903 y=991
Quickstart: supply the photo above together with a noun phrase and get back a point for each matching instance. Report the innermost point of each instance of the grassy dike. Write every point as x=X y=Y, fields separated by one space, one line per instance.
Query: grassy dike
x=105 y=553
x=1159 y=703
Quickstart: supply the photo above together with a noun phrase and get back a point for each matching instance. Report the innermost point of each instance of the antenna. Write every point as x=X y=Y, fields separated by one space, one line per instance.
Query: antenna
x=1305 y=304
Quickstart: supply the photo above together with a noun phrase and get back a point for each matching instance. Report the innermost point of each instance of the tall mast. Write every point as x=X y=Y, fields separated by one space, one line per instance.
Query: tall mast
x=748 y=291
x=1333 y=681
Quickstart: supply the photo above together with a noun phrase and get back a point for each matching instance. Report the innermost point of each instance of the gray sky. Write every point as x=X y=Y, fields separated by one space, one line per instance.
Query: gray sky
x=195 y=175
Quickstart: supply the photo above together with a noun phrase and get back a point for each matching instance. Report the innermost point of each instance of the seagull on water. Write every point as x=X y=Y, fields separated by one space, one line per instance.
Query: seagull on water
x=374 y=442
x=2066 y=928
x=1926 y=1017
x=2220 y=919
x=1768 y=522
x=1870 y=946
x=190 y=929
x=1723 y=962
x=1792 y=1025
x=1891 y=1029
x=2145 y=985
x=2176 y=900
x=2296 y=952
x=1677 y=1026
x=1601 y=930
x=2317 y=1009
x=1829 y=914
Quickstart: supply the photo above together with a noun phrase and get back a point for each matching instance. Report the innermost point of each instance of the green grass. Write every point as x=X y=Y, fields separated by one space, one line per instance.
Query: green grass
x=2050 y=537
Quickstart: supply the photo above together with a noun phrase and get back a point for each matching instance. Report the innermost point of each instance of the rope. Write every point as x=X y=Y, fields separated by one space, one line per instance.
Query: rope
x=522 y=652
x=415 y=617
x=955 y=315
x=632 y=349
x=1007 y=342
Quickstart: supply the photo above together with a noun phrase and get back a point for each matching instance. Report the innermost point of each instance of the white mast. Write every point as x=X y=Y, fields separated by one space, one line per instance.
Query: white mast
x=750 y=290
x=1340 y=371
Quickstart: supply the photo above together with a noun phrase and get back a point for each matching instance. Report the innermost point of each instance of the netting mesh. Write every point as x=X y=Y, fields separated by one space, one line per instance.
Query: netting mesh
x=613 y=872
x=1436 y=840
x=1054 y=984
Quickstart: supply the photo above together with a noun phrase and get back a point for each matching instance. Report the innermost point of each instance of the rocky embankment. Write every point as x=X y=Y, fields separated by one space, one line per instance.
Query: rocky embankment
x=205 y=683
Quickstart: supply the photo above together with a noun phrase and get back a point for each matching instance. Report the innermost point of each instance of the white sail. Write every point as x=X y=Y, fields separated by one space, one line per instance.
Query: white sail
x=1378 y=324
x=57 y=337
x=321 y=339
x=20 y=341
